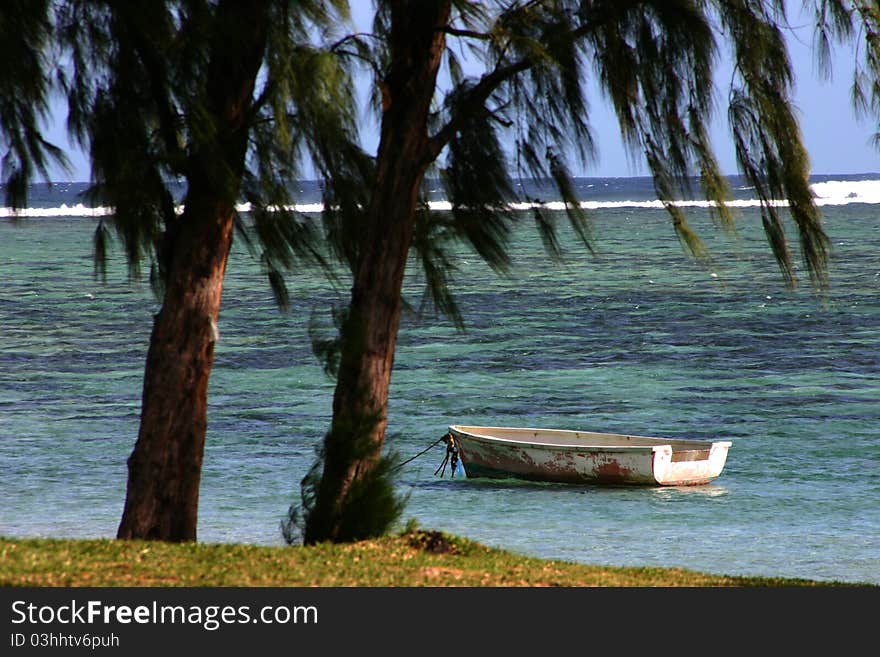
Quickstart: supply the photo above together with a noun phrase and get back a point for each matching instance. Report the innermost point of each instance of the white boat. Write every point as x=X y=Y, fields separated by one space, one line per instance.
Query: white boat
x=583 y=457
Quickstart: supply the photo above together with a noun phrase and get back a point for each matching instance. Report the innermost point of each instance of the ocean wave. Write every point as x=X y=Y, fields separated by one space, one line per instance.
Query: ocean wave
x=827 y=193
x=63 y=210
x=844 y=192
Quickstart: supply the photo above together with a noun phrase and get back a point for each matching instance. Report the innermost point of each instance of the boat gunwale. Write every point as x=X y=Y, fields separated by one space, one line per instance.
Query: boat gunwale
x=681 y=443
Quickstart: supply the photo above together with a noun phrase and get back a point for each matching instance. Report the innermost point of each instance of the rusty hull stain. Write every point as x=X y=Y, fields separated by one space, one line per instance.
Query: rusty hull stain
x=611 y=472
x=560 y=466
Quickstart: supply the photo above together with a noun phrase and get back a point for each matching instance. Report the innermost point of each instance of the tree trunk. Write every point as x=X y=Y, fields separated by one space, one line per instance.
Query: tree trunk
x=165 y=466
x=369 y=335
x=164 y=470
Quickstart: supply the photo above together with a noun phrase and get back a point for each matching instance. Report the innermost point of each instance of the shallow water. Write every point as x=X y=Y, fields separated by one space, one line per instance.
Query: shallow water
x=639 y=339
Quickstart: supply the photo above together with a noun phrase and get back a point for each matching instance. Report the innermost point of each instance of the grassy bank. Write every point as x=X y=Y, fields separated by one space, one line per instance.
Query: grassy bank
x=415 y=558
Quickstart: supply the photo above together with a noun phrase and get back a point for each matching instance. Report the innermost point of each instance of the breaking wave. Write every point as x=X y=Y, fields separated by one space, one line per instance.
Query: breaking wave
x=595 y=194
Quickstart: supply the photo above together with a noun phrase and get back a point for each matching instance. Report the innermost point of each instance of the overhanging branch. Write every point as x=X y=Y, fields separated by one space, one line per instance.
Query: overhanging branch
x=476 y=96
x=472 y=99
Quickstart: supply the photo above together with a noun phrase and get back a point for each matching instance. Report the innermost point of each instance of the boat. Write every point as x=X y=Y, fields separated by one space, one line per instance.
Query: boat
x=584 y=457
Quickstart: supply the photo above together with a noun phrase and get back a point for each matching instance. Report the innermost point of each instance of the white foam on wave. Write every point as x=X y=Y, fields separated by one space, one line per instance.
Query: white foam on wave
x=827 y=193
x=845 y=192
x=64 y=210
x=304 y=208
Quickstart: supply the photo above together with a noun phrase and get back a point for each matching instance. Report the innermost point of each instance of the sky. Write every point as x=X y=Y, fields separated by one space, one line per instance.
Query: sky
x=837 y=141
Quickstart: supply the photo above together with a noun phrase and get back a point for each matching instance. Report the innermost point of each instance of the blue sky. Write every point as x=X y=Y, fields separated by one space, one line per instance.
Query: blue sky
x=838 y=142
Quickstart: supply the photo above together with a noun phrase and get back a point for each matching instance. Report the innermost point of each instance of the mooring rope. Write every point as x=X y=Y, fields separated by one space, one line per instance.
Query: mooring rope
x=450 y=457
x=430 y=447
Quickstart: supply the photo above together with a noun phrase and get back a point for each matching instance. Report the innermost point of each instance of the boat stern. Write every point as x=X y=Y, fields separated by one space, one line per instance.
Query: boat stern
x=689 y=467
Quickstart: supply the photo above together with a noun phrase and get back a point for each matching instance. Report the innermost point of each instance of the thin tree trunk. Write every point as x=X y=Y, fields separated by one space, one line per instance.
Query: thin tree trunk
x=353 y=445
x=165 y=467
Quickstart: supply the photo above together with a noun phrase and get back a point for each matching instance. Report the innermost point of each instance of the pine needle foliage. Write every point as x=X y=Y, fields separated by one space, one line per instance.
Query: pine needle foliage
x=372 y=505
x=654 y=63
x=136 y=87
x=26 y=44
x=766 y=134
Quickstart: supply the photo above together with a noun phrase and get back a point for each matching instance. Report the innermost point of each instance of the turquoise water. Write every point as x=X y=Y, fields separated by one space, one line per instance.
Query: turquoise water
x=639 y=339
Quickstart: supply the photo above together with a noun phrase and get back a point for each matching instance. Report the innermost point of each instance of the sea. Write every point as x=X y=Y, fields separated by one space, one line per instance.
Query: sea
x=637 y=337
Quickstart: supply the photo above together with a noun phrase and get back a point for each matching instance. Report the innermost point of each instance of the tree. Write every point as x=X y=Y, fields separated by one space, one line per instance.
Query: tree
x=654 y=62
x=218 y=96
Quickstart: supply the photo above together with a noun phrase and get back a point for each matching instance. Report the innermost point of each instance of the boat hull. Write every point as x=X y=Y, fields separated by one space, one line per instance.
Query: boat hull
x=587 y=458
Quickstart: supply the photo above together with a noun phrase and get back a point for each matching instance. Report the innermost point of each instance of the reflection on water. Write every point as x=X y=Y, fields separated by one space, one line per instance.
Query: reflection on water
x=674 y=492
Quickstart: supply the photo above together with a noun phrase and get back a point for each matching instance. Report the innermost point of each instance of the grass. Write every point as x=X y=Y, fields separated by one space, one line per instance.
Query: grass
x=412 y=558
